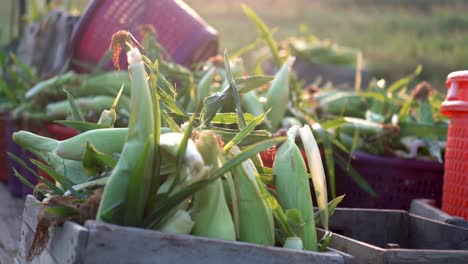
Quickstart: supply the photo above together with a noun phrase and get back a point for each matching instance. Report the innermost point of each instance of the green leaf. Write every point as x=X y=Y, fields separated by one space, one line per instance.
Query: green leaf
x=244 y=132
x=423 y=130
x=329 y=160
x=254 y=137
x=49 y=184
x=95 y=161
x=181 y=153
x=332 y=205
x=156 y=179
x=317 y=173
x=334 y=123
x=27 y=183
x=404 y=81
x=234 y=91
x=325 y=241
x=62 y=211
x=249 y=83
x=81 y=126
x=295 y=217
x=213 y=103
x=231 y=118
x=357 y=178
x=265 y=34
x=76 y=113
x=62 y=180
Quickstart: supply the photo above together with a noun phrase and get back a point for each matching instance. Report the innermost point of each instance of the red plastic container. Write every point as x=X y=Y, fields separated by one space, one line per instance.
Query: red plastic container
x=455 y=106
x=185 y=36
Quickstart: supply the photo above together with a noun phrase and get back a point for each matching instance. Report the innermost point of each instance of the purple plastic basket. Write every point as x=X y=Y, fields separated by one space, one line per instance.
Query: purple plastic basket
x=397 y=182
x=181 y=31
x=15 y=186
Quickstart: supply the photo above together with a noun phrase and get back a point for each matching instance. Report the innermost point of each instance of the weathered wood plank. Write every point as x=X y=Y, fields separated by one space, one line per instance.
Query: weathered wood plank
x=427 y=241
x=156 y=247
x=427 y=256
x=423 y=208
x=66 y=244
x=430 y=234
x=376 y=227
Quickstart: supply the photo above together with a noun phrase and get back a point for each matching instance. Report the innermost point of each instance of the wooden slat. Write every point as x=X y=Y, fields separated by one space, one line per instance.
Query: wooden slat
x=112 y=244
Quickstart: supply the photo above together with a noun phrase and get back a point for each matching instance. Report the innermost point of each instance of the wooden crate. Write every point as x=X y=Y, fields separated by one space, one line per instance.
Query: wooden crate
x=97 y=242
x=425 y=208
x=395 y=236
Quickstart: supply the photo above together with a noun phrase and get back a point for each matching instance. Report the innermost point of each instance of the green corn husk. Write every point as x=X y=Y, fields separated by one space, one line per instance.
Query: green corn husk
x=251 y=206
x=278 y=95
x=125 y=195
x=252 y=104
x=108 y=117
x=293 y=243
x=95 y=104
x=210 y=211
x=106 y=140
x=292 y=188
x=179 y=223
x=82 y=85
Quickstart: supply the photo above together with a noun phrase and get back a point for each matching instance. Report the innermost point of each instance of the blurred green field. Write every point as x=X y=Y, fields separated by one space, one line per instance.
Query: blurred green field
x=395 y=36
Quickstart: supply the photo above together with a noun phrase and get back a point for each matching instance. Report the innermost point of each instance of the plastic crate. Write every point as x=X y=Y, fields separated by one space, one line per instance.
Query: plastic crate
x=185 y=36
x=396 y=181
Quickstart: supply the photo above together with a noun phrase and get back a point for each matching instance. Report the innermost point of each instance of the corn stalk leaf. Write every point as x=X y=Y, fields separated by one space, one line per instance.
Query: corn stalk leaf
x=404 y=81
x=329 y=160
x=62 y=180
x=213 y=103
x=62 y=211
x=27 y=183
x=332 y=205
x=255 y=136
x=231 y=118
x=316 y=172
x=75 y=110
x=234 y=91
x=265 y=33
x=95 y=161
x=52 y=186
x=244 y=132
x=355 y=176
x=80 y=125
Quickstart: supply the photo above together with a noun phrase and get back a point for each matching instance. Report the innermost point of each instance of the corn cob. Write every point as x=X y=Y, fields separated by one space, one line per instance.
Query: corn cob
x=210 y=211
x=179 y=223
x=82 y=85
x=95 y=104
x=124 y=197
x=251 y=206
x=292 y=187
x=278 y=95
x=106 y=140
x=252 y=104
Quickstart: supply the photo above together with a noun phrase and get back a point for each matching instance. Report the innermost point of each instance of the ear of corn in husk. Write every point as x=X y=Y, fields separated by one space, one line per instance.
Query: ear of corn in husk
x=292 y=187
x=210 y=211
x=251 y=205
x=126 y=192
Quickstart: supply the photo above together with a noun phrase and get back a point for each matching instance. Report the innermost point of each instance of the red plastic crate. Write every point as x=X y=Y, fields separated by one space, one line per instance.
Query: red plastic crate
x=455 y=106
x=185 y=36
